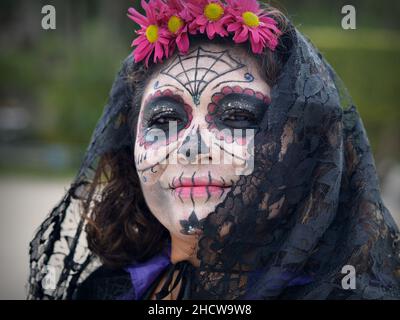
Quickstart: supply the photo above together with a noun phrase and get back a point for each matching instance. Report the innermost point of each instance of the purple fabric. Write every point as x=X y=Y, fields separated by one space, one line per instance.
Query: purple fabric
x=280 y=279
x=145 y=273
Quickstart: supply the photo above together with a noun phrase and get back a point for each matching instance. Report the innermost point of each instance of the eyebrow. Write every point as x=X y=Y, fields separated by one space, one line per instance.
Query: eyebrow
x=248 y=76
x=156 y=86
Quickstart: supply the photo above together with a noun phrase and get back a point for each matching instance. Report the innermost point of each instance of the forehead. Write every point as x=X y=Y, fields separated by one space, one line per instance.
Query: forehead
x=206 y=69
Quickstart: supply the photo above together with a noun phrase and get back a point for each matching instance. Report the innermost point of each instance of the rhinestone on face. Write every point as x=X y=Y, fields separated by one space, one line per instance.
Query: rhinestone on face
x=191 y=230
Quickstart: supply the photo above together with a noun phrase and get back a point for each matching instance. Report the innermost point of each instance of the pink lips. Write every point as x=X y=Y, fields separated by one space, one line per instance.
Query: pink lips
x=186 y=188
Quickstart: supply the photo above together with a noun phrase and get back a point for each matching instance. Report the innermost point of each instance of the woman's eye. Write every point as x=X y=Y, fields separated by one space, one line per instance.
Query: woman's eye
x=164 y=120
x=239 y=119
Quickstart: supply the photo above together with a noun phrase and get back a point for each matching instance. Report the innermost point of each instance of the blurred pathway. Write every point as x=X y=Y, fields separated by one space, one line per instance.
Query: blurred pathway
x=24 y=202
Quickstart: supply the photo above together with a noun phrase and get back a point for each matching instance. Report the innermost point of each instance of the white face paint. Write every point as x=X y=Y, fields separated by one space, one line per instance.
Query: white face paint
x=195 y=132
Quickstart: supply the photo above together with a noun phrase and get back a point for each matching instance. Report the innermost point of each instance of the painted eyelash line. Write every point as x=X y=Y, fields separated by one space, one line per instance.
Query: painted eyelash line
x=151 y=118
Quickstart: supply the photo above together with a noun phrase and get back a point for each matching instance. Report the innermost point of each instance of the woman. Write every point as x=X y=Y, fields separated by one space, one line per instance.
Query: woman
x=229 y=163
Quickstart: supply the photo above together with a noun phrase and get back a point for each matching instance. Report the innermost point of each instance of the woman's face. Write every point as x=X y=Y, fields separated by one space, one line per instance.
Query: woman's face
x=198 y=116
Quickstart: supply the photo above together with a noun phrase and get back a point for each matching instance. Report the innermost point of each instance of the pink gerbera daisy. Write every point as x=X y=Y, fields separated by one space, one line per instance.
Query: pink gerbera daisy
x=179 y=5
x=247 y=20
x=152 y=37
x=209 y=17
x=177 y=17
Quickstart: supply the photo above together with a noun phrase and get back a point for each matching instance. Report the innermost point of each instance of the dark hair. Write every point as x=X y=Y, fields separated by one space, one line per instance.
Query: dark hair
x=121 y=228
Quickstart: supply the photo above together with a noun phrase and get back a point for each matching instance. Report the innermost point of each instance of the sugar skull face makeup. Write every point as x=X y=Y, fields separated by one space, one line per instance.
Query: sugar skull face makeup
x=195 y=133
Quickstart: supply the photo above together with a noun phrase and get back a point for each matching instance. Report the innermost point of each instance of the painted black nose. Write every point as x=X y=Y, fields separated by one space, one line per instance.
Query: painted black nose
x=192 y=146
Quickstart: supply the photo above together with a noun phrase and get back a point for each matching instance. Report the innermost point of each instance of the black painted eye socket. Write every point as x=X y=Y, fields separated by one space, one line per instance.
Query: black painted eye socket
x=161 y=111
x=240 y=111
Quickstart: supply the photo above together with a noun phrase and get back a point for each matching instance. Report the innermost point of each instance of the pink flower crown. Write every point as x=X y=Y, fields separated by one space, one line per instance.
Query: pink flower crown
x=168 y=23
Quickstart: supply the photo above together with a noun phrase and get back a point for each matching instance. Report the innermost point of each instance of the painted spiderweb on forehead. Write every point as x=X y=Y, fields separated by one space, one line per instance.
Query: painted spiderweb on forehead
x=191 y=74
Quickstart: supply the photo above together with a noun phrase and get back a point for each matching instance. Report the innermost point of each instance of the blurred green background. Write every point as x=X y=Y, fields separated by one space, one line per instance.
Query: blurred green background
x=54 y=84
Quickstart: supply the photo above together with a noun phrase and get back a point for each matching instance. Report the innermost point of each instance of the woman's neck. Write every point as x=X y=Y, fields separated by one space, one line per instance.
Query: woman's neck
x=184 y=248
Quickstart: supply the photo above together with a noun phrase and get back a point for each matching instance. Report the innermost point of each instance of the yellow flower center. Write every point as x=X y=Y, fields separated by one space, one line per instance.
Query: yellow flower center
x=213 y=11
x=174 y=24
x=250 y=19
x=152 y=33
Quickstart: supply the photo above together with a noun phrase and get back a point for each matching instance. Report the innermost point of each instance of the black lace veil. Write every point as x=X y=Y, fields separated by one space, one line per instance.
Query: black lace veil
x=311 y=206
